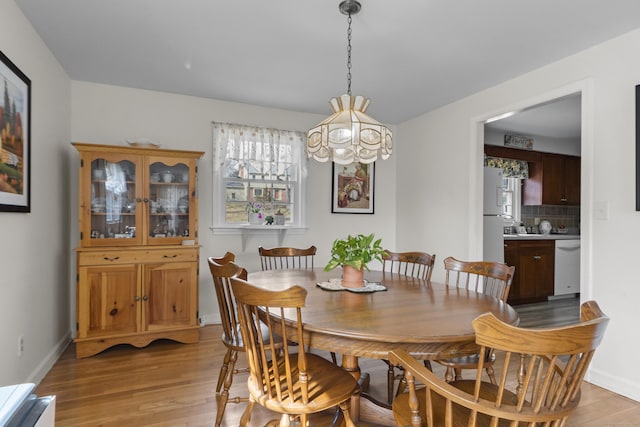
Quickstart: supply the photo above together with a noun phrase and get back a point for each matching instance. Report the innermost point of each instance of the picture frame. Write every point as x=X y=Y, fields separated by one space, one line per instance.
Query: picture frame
x=15 y=138
x=638 y=148
x=353 y=188
x=518 y=141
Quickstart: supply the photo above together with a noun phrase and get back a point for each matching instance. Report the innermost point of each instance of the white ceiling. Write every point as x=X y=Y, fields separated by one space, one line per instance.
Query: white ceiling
x=409 y=56
x=560 y=118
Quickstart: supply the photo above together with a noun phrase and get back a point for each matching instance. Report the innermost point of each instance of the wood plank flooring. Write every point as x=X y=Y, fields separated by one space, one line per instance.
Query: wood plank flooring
x=171 y=384
x=558 y=312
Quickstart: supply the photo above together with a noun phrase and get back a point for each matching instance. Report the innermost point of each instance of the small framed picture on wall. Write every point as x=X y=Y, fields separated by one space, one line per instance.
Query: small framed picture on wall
x=353 y=188
x=15 y=121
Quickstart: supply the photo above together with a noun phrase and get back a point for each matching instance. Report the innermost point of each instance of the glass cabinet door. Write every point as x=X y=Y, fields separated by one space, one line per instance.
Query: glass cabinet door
x=169 y=201
x=114 y=201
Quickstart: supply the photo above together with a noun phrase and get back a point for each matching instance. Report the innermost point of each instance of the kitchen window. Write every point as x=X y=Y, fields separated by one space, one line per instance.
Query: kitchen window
x=262 y=166
x=512 y=200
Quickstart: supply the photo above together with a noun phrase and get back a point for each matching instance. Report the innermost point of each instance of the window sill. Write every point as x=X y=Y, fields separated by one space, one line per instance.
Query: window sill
x=245 y=230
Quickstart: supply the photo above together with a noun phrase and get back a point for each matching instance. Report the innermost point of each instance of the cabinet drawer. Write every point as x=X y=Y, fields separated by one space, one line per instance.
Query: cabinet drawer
x=143 y=256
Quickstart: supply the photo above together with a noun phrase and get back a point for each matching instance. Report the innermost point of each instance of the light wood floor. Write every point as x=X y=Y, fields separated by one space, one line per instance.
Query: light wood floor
x=171 y=384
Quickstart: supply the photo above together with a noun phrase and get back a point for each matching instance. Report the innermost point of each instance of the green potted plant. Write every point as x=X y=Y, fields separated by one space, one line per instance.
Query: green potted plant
x=353 y=254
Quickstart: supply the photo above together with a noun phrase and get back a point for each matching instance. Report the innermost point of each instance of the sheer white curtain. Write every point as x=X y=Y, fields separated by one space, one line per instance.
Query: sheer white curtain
x=270 y=164
x=257 y=144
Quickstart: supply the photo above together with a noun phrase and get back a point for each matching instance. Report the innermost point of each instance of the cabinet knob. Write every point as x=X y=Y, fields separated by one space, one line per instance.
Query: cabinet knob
x=146 y=200
x=537 y=257
x=111 y=259
x=138 y=199
x=137 y=298
x=145 y=298
x=169 y=256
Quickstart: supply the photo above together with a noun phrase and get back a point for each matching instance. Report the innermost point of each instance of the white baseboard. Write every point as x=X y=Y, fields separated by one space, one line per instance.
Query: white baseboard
x=52 y=357
x=617 y=385
x=210 y=319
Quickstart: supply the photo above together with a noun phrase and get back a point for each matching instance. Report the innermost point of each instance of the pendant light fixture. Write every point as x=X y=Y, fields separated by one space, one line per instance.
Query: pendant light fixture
x=349 y=135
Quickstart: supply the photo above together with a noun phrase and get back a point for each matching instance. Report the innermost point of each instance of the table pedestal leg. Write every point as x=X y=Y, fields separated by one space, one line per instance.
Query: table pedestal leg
x=365 y=409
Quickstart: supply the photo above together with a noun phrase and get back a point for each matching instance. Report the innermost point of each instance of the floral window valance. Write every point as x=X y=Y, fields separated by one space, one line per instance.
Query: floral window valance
x=512 y=168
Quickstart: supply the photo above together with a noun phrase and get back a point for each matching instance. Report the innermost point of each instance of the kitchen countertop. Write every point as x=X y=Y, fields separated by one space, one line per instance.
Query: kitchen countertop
x=541 y=237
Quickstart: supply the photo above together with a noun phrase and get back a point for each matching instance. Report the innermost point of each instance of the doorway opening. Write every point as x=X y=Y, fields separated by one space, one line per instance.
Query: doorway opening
x=551 y=130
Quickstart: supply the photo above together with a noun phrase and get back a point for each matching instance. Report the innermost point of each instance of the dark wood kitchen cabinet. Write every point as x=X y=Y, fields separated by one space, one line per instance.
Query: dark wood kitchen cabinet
x=534 y=261
x=560 y=179
x=554 y=179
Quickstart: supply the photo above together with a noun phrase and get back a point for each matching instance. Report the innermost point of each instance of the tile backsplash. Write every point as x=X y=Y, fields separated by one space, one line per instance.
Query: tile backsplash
x=559 y=216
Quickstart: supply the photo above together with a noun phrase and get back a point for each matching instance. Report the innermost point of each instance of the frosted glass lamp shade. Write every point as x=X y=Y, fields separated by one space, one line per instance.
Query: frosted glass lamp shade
x=349 y=135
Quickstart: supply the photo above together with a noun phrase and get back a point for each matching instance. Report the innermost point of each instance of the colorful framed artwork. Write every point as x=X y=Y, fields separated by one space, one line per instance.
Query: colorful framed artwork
x=15 y=135
x=353 y=189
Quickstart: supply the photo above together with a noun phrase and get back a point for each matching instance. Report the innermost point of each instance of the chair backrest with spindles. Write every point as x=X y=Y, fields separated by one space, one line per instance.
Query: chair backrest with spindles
x=414 y=264
x=539 y=373
x=222 y=274
x=284 y=258
x=489 y=278
x=271 y=367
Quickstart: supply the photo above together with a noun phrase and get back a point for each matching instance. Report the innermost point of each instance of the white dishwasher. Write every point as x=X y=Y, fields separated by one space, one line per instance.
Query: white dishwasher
x=567 y=267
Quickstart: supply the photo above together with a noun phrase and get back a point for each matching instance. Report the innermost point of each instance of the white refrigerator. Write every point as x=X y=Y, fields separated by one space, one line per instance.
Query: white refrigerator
x=493 y=219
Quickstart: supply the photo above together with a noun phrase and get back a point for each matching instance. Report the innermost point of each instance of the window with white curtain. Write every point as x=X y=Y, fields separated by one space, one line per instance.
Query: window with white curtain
x=511 y=200
x=261 y=167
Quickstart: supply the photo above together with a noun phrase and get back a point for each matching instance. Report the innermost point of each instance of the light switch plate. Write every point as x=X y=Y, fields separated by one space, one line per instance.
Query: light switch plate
x=601 y=210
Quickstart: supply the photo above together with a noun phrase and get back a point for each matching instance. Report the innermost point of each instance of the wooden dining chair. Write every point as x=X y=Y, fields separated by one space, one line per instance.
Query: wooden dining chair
x=489 y=278
x=227 y=257
x=222 y=270
x=413 y=264
x=283 y=258
x=287 y=258
x=540 y=376
x=293 y=383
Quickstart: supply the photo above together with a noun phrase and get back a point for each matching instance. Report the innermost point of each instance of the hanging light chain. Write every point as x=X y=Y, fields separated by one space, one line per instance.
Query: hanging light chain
x=349 y=55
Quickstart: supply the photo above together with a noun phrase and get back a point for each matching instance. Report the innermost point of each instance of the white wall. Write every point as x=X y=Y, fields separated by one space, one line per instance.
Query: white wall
x=34 y=288
x=434 y=198
x=441 y=153
x=104 y=114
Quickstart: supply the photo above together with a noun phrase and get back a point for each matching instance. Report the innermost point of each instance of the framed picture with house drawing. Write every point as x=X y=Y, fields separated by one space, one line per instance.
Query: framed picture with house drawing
x=15 y=120
x=352 y=190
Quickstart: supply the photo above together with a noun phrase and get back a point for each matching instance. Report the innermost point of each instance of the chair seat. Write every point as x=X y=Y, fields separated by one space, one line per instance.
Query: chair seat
x=328 y=387
x=488 y=392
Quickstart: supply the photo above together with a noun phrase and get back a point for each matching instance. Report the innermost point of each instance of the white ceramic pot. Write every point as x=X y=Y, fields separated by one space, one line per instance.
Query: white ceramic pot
x=167 y=177
x=544 y=227
x=254 y=218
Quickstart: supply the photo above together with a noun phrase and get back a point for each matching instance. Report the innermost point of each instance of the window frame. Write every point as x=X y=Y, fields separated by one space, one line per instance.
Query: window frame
x=513 y=186
x=297 y=219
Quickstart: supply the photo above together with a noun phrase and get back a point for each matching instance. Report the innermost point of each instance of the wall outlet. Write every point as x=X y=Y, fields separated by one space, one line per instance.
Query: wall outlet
x=204 y=319
x=20 y=345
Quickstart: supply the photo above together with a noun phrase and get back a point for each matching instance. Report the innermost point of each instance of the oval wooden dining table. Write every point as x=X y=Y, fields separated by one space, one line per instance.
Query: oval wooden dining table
x=429 y=320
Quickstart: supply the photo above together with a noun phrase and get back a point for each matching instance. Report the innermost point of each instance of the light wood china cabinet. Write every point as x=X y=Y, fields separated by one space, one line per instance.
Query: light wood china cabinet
x=137 y=260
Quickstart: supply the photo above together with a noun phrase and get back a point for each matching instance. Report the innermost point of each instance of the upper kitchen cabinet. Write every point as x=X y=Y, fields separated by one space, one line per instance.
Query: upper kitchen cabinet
x=554 y=179
x=560 y=179
x=133 y=196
